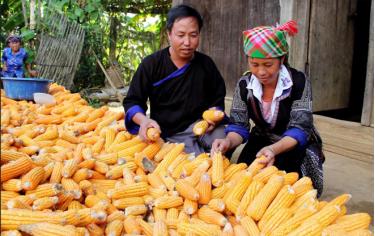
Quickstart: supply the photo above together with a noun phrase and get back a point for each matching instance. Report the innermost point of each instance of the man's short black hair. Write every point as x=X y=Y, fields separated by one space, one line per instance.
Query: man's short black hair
x=182 y=11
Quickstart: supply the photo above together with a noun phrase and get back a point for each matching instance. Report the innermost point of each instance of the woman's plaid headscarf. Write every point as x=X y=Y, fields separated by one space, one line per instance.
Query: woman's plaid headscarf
x=268 y=41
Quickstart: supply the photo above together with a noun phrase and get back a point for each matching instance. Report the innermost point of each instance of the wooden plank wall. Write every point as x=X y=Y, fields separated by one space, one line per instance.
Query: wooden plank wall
x=221 y=36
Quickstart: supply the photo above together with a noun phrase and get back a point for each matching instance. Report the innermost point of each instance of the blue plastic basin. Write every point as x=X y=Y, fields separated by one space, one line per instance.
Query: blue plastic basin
x=24 y=88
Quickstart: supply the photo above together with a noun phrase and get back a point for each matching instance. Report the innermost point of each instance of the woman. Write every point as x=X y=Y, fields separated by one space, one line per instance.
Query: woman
x=180 y=84
x=13 y=59
x=278 y=100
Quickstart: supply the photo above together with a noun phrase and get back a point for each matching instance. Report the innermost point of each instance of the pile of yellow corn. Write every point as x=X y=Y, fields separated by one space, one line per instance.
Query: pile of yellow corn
x=69 y=169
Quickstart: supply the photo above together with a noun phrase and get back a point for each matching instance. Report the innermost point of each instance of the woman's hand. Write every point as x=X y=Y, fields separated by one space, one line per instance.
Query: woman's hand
x=220 y=145
x=144 y=125
x=211 y=126
x=33 y=73
x=269 y=154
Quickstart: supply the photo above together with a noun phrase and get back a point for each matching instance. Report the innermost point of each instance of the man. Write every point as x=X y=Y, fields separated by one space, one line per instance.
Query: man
x=180 y=84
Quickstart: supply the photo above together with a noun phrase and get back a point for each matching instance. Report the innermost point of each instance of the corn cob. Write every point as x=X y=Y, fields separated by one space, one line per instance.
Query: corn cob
x=12 y=219
x=114 y=228
x=45 y=203
x=69 y=168
x=172 y=218
x=232 y=169
x=135 y=210
x=155 y=180
x=133 y=190
x=257 y=208
x=217 y=170
x=17 y=204
x=130 y=151
x=32 y=178
x=46 y=190
x=194 y=178
x=360 y=232
x=153 y=134
x=68 y=136
x=15 y=168
x=282 y=215
x=308 y=229
x=56 y=174
x=146 y=227
x=71 y=186
x=212 y=217
x=45 y=229
x=179 y=159
x=190 y=206
x=302 y=186
x=12 y=185
x=295 y=221
x=204 y=189
x=184 y=228
x=354 y=221
x=94 y=229
x=168 y=202
x=151 y=150
x=10 y=232
x=159 y=214
x=213 y=115
x=101 y=167
x=200 y=127
x=160 y=228
x=186 y=190
x=169 y=157
x=290 y=178
x=340 y=200
x=265 y=174
x=248 y=197
x=167 y=180
x=282 y=200
x=249 y=225
x=130 y=201
x=131 y=226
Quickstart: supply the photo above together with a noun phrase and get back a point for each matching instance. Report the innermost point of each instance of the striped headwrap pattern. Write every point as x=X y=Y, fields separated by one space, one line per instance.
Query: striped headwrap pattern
x=268 y=41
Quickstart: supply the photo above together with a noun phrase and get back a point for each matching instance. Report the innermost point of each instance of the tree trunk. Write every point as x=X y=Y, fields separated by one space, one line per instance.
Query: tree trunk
x=24 y=12
x=113 y=37
x=32 y=14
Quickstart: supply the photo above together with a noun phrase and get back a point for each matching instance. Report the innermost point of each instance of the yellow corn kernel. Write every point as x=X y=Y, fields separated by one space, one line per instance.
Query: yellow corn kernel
x=17 y=204
x=159 y=214
x=168 y=202
x=204 y=189
x=94 y=229
x=325 y=216
x=200 y=127
x=155 y=180
x=239 y=189
x=255 y=166
x=282 y=215
x=50 y=134
x=75 y=205
x=151 y=150
x=257 y=208
x=29 y=150
x=32 y=178
x=283 y=199
x=185 y=189
x=303 y=199
x=178 y=170
x=48 y=171
x=213 y=115
x=10 y=232
x=160 y=228
x=321 y=204
x=169 y=157
x=45 y=203
x=360 y=232
x=16 y=168
x=248 y=197
x=46 y=190
x=98 y=146
x=88 y=163
x=340 y=200
x=179 y=159
x=108 y=158
x=116 y=215
x=217 y=170
x=9 y=155
x=12 y=185
x=265 y=174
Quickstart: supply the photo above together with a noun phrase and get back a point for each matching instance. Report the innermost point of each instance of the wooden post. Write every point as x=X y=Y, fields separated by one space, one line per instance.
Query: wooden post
x=367 y=118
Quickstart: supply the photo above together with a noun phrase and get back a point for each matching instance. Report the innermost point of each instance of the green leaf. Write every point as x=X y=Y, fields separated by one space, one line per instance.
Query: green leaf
x=27 y=34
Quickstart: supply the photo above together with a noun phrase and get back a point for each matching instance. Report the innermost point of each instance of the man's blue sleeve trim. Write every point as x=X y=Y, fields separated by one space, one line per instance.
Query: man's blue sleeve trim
x=298 y=135
x=130 y=125
x=242 y=131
